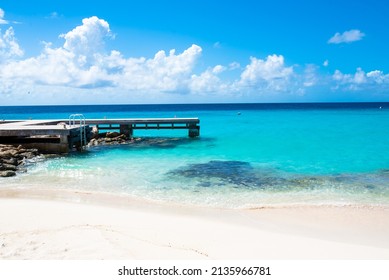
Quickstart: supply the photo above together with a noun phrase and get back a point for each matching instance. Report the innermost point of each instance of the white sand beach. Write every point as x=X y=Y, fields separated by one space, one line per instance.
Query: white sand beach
x=52 y=224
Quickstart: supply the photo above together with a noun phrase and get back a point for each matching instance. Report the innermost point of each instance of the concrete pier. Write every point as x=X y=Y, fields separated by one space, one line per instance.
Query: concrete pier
x=127 y=126
x=52 y=136
x=61 y=136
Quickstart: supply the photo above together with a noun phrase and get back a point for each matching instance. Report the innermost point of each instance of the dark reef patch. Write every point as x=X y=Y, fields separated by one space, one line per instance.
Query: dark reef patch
x=241 y=174
x=234 y=173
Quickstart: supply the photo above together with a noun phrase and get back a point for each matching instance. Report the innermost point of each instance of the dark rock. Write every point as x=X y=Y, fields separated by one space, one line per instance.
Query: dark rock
x=120 y=137
x=11 y=158
x=5 y=166
x=13 y=152
x=7 y=173
x=93 y=142
x=112 y=134
x=110 y=138
x=5 y=154
x=12 y=161
x=27 y=155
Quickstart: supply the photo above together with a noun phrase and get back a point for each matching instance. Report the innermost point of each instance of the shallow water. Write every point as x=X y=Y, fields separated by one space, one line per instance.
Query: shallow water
x=247 y=155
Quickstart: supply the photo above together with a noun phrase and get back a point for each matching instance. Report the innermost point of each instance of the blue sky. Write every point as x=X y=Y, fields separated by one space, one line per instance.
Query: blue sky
x=86 y=52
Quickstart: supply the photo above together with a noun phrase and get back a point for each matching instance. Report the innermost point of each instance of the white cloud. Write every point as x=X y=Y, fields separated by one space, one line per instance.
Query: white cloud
x=378 y=77
x=88 y=38
x=346 y=37
x=82 y=62
x=161 y=73
x=234 y=65
x=358 y=78
x=218 y=69
x=362 y=80
x=338 y=76
x=310 y=77
x=2 y=20
x=9 y=47
x=209 y=81
x=270 y=73
x=325 y=63
x=76 y=64
x=206 y=82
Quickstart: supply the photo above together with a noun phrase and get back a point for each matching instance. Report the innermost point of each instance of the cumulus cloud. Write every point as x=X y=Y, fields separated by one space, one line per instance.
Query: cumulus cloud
x=346 y=37
x=378 y=77
x=358 y=78
x=76 y=64
x=9 y=47
x=2 y=20
x=209 y=81
x=234 y=65
x=218 y=69
x=361 y=80
x=82 y=62
x=64 y=68
x=88 y=38
x=325 y=63
x=54 y=66
x=161 y=73
x=270 y=73
x=310 y=77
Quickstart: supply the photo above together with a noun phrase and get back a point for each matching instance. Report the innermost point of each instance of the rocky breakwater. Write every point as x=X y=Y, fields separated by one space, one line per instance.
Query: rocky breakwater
x=109 y=138
x=13 y=158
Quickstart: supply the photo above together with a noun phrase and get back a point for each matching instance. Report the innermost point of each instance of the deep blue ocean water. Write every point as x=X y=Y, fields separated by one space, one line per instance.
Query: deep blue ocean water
x=248 y=155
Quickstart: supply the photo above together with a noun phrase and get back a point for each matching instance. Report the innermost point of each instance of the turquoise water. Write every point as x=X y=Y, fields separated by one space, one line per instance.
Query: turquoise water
x=247 y=155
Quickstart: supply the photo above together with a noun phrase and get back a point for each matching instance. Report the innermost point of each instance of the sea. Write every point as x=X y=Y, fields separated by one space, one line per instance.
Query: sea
x=247 y=155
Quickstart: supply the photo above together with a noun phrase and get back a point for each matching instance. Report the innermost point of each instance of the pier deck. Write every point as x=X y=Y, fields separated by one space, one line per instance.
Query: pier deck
x=54 y=136
x=126 y=126
x=60 y=137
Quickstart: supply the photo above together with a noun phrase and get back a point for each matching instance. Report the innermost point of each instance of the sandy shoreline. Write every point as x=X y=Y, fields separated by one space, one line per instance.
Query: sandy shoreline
x=52 y=224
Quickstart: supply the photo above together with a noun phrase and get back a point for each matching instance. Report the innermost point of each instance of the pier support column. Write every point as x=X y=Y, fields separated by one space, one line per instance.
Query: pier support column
x=126 y=129
x=63 y=146
x=63 y=139
x=194 y=131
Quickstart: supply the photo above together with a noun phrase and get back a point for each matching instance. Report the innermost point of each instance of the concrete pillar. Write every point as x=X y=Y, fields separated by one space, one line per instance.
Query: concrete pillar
x=126 y=129
x=63 y=139
x=194 y=131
